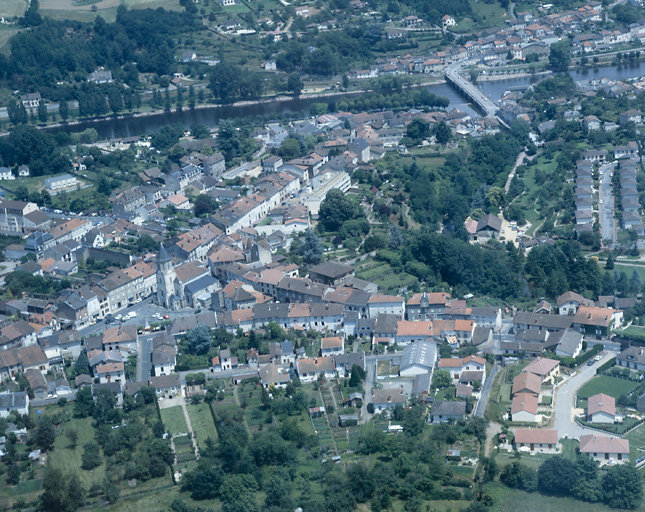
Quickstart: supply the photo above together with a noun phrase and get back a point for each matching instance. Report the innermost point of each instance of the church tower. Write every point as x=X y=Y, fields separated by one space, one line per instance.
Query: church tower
x=165 y=278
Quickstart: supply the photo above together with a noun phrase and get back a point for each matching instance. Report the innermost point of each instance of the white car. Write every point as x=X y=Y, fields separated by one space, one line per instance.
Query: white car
x=118 y=317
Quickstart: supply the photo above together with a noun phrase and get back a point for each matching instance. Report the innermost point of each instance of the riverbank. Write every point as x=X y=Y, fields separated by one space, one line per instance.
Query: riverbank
x=512 y=76
x=84 y=123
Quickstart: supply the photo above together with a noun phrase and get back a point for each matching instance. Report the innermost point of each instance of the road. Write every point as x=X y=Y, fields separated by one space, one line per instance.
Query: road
x=606 y=203
x=483 y=399
x=144 y=310
x=511 y=175
x=564 y=400
x=40 y=402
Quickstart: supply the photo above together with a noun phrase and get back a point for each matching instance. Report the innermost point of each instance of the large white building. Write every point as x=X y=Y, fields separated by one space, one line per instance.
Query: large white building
x=61 y=183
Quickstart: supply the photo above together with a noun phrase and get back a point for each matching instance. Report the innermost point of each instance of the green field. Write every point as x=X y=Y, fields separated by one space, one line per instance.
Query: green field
x=484 y=15
x=604 y=384
x=202 y=423
x=235 y=9
x=87 y=10
x=388 y=280
x=10 y=8
x=174 y=421
x=512 y=500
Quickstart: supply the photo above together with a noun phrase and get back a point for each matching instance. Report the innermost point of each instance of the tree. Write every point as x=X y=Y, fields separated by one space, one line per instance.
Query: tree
x=311 y=248
x=238 y=493
x=203 y=482
x=91 y=457
x=32 y=16
x=586 y=487
x=418 y=130
x=61 y=492
x=82 y=364
x=557 y=475
x=635 y=282
x=290 y=148
x=44 y=436
x=72 y=435
x=441 y=379
x=518 y=476
x=199 y=340
x=442 y=132
x=191 y=97
x=357 y=376
x=199 y=131
x=205 y=205
x=621 y=487
x=395 y=238
x=13 y=473
x=560 y=55
x=42 y=111
x=609 y=265
x=336 y=209
x=294 y=84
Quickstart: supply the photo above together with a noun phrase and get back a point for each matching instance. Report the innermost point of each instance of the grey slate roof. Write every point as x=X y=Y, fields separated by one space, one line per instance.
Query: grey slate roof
x=420 y=353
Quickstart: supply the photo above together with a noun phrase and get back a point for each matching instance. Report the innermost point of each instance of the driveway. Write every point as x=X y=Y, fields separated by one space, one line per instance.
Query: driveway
x=564 y=400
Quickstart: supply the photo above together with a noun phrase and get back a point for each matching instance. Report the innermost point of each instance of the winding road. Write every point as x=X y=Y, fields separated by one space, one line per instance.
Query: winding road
x=565 y=395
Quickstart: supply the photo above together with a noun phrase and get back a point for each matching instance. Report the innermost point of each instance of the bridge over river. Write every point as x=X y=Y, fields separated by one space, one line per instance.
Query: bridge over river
x=453 y=77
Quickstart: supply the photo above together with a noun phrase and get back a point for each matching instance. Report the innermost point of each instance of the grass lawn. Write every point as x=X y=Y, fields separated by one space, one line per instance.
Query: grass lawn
x=173 y=419
x=569 y=448
x=608 y=385
x=202 y=423
x=636 y=443
x=512 y=500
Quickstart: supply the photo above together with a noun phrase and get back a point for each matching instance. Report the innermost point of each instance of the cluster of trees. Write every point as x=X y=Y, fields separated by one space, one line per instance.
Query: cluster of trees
x=618 y=486
x=329 y=53
x=18 y=282
x=41 y=151
x=436 y=259
x=409 y=467
x=229 y=83
x=136 y=449
x=387 y=99
x=560 y=55
x=308 y=248
x=55 y=51
x=339 y=214
x=434 y=11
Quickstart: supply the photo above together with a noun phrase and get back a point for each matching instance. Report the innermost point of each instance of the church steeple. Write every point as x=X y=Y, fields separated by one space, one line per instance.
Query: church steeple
x=163 y=256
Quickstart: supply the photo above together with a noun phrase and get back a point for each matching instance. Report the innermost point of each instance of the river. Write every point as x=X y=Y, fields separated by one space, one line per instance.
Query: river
x=129 y=126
